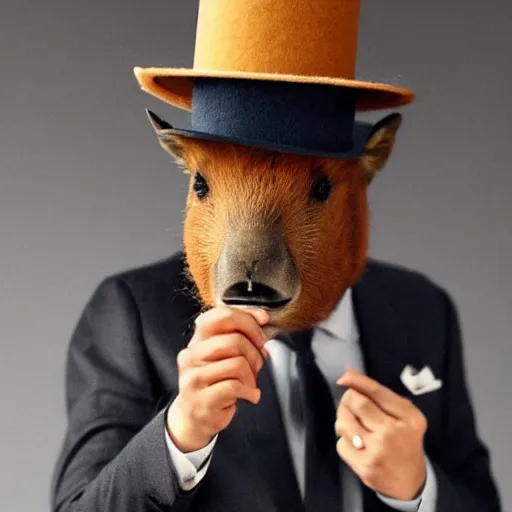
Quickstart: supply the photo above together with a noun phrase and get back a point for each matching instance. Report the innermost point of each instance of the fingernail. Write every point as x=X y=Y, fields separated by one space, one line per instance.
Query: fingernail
x=342 y=378
x=262 y=316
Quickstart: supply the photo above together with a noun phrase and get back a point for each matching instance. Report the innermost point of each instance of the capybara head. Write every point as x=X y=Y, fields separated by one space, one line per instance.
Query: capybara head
x=284 y=232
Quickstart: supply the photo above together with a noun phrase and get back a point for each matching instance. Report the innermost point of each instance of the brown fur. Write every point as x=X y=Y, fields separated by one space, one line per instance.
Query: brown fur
x=251 y=189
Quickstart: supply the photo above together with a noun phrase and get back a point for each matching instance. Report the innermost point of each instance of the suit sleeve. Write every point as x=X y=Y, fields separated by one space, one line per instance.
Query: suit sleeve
x=462 y=468
x=114 y=456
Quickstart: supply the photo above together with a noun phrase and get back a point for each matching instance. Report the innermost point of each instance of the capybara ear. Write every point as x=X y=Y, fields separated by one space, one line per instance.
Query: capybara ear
x=379 y=145
x=171 y=142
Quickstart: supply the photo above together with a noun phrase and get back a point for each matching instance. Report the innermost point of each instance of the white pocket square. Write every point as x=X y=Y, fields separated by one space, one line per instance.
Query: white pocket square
x=419 y=382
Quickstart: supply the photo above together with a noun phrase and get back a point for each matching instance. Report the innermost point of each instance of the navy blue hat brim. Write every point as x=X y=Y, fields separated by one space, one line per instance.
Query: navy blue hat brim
x=362 y=132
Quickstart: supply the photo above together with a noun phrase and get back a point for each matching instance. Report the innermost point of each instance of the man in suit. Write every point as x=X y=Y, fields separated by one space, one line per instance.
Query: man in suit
x=117 y=455
x=275 y=242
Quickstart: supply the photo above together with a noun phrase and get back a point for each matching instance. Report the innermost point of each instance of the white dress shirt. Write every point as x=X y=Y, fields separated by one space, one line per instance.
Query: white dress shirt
x=335 y=343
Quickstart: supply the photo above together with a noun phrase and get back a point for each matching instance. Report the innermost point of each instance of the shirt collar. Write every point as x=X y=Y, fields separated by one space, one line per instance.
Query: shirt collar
x=341 y=323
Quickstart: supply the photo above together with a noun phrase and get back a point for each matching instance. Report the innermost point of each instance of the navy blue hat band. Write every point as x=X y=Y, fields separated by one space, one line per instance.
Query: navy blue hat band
x=317 y=117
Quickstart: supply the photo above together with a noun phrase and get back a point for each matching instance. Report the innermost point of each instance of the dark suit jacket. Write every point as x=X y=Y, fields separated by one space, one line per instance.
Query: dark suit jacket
x=122 y=361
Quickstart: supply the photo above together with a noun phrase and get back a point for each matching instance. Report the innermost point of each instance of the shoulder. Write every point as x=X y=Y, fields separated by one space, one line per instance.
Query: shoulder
x=159 y=286
x=401 y=281
x=420 y=301
x=169 y=272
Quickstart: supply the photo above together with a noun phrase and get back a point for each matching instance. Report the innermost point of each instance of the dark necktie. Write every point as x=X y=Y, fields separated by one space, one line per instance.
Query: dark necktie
x=323 y=489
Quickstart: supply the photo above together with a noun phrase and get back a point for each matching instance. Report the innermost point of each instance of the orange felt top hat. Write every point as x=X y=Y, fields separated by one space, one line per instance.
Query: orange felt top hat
x=297 y=41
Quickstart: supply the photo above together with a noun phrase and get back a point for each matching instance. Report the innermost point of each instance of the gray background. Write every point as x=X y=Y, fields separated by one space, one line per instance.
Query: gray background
x=86 y=191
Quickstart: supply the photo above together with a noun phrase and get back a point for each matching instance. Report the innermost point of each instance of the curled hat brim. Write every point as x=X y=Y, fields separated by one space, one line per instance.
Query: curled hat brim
x=174 y=86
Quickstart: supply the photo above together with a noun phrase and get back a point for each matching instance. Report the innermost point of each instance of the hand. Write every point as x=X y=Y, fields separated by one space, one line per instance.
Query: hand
x=392 y=461
x=219 y=367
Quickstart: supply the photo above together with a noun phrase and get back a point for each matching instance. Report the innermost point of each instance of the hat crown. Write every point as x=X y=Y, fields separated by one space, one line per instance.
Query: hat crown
x=295 y=37
x=295 y=41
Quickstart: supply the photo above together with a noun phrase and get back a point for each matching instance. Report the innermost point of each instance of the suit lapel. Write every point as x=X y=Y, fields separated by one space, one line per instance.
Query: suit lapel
x=383 y=337
x=385 y=347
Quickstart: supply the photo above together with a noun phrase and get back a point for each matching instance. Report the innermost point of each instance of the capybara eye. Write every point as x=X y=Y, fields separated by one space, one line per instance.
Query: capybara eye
x=321 y=189
x=200 y=186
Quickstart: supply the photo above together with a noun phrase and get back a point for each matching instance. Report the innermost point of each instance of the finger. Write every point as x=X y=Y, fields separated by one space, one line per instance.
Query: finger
x=348 y=425
x=224 y=320
x=352 y=456
x=225 y=394
x=227 y=369
x=226 y=346
x=384 y=397
x=368 y=413
x=262 y=317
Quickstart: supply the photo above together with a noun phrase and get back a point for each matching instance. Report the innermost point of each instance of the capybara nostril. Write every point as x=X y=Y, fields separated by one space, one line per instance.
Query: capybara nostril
x=251 y=293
